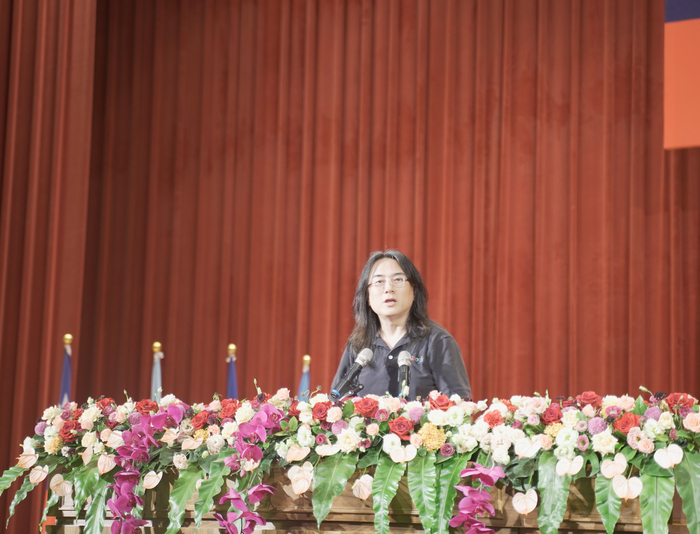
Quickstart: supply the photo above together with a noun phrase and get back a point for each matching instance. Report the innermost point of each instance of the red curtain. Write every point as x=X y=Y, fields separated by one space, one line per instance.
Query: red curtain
x=205 y=173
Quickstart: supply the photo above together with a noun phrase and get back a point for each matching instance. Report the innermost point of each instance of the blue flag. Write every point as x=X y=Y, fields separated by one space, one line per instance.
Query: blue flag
x=65 y=394
x=305 y=382
x=232 y=387
x=156 y=377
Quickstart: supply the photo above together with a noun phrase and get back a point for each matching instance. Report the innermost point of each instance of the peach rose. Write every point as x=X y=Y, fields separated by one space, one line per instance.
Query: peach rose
x=393 y=404
x=334 y=414
x=692 y=422
x=626 y=403
x=645 y=446
x=416 y=440
x=589 y=411
x=372 y=429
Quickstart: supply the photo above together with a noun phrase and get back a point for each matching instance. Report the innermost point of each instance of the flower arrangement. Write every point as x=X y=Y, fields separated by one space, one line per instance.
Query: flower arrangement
x=114 y=453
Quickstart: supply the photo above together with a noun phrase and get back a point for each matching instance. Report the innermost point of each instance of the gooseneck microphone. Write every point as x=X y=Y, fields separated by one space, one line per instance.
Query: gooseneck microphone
x=347 y=386
x=404 y=373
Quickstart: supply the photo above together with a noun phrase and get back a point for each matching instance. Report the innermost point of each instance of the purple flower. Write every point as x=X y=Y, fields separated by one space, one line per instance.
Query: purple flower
x=613 y=411
x=597 y=425
x=236 y=500
x=447 y=449
x=582 y=443
x=415 y=414
x=338 y=427
x=233 y=462
x=325 y=425
x=365 y=443
x=673 y=434
x=134 y=418
x=227 y=523
x=486 y=476
x=653 y=412
x=517 y=424
x=65 y=415
x=683 y=411
x=381 y=415
x=40 y=428
x=533 y=419
x=581 y=426
x=321 y=439
x=108 y=410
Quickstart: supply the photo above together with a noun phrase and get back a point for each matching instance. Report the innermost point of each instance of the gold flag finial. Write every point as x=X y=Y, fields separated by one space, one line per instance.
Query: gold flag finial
x=67 y=339
x=232 y=348
x=157 y=346
x=307 y=359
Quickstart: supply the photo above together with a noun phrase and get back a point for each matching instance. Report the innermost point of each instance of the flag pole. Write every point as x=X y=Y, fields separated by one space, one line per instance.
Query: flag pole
x=232 y=386
x=64 y=395
x=156 y=376
x=305 y=382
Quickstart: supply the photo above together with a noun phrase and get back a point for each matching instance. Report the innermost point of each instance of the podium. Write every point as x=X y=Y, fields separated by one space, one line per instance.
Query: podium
x=288 y=513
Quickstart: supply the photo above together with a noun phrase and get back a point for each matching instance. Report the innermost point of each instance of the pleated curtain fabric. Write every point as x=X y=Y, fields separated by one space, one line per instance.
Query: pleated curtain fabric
x=201 y=173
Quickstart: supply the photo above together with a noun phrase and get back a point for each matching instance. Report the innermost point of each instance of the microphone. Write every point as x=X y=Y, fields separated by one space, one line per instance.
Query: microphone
x=404 y=373
x=347 y=385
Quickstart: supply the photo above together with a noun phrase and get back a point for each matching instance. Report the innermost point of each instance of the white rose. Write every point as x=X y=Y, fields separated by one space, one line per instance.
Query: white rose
x=229 y=429
x=89 y=438
x=437 y=417
x=319 y=397
x=666 y=421
x=348 y=440
x=570 y=418
x=501 y=456
x=604 y=442
x=180 y=461
x=29 y=444
x=168 y=400
x=215 y=443
x=481 y=405
x=245 y=413
x=51 y=413
x=390 y=442
x=356 y=421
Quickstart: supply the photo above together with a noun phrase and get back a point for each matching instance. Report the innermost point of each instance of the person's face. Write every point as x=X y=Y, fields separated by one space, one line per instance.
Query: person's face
x=387 y=297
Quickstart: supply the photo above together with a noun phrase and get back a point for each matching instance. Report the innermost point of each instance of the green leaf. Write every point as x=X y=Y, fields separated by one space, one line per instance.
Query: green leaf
x=209 y=489
x=519 y=472
x=384 y=488
x=330 y=478
x=448 y=477
x=554 y=493
x=53 y=499
x=688 y=486
x=348 y=409
x=97 y=509
x=640 y=407
x=84 y=481
x=370 y=458
x=9 y=476
x=26 y=487
x=421 y=484
x=656 y=502
x=607 y=502
x=183 y=489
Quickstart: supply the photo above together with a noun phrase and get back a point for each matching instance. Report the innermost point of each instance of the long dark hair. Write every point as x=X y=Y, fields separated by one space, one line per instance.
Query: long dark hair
x=366 y=321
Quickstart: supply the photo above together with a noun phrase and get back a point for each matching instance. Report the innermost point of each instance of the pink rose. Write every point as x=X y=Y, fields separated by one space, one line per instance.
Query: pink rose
x=282 y=394
x=213 y=429
x=588 y=411
x=692 y=422
x=372 y=429
x=626 y=403
x=393 y=404
x=544 y=441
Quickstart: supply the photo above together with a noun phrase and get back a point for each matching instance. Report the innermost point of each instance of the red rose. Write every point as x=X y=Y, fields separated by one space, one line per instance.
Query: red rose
x=66 y=435
x=294 y=410
x=103 y=403
x=589 y=398
x=229 y=410
x=625 y=423
x=402 y=427
x=75 y=414
x=320 y=410
x=199 y=420
x=552 y=414
x=493 y=418
x=680 y=400
x=366 y=407
x=146 y=406
x=441 y=402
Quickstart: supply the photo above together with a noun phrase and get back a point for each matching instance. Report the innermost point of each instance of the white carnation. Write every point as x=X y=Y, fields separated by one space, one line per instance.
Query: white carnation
x=501 y=456
x=390 y=442
x=454 y=416
x=652 y=429
x=437 y=417
x=304 y=436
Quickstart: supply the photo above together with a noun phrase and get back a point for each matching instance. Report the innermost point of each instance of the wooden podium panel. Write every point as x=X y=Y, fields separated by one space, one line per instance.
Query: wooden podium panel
x=288 y=513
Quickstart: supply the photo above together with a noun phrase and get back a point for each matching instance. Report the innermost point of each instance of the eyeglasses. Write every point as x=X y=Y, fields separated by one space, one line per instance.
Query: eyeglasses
x=396 y=281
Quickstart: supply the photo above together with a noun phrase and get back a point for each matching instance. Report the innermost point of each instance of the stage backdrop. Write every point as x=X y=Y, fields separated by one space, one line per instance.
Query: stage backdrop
x=205 y=173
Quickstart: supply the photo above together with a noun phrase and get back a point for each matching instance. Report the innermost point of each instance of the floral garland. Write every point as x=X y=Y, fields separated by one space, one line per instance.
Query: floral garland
x=114 y=453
